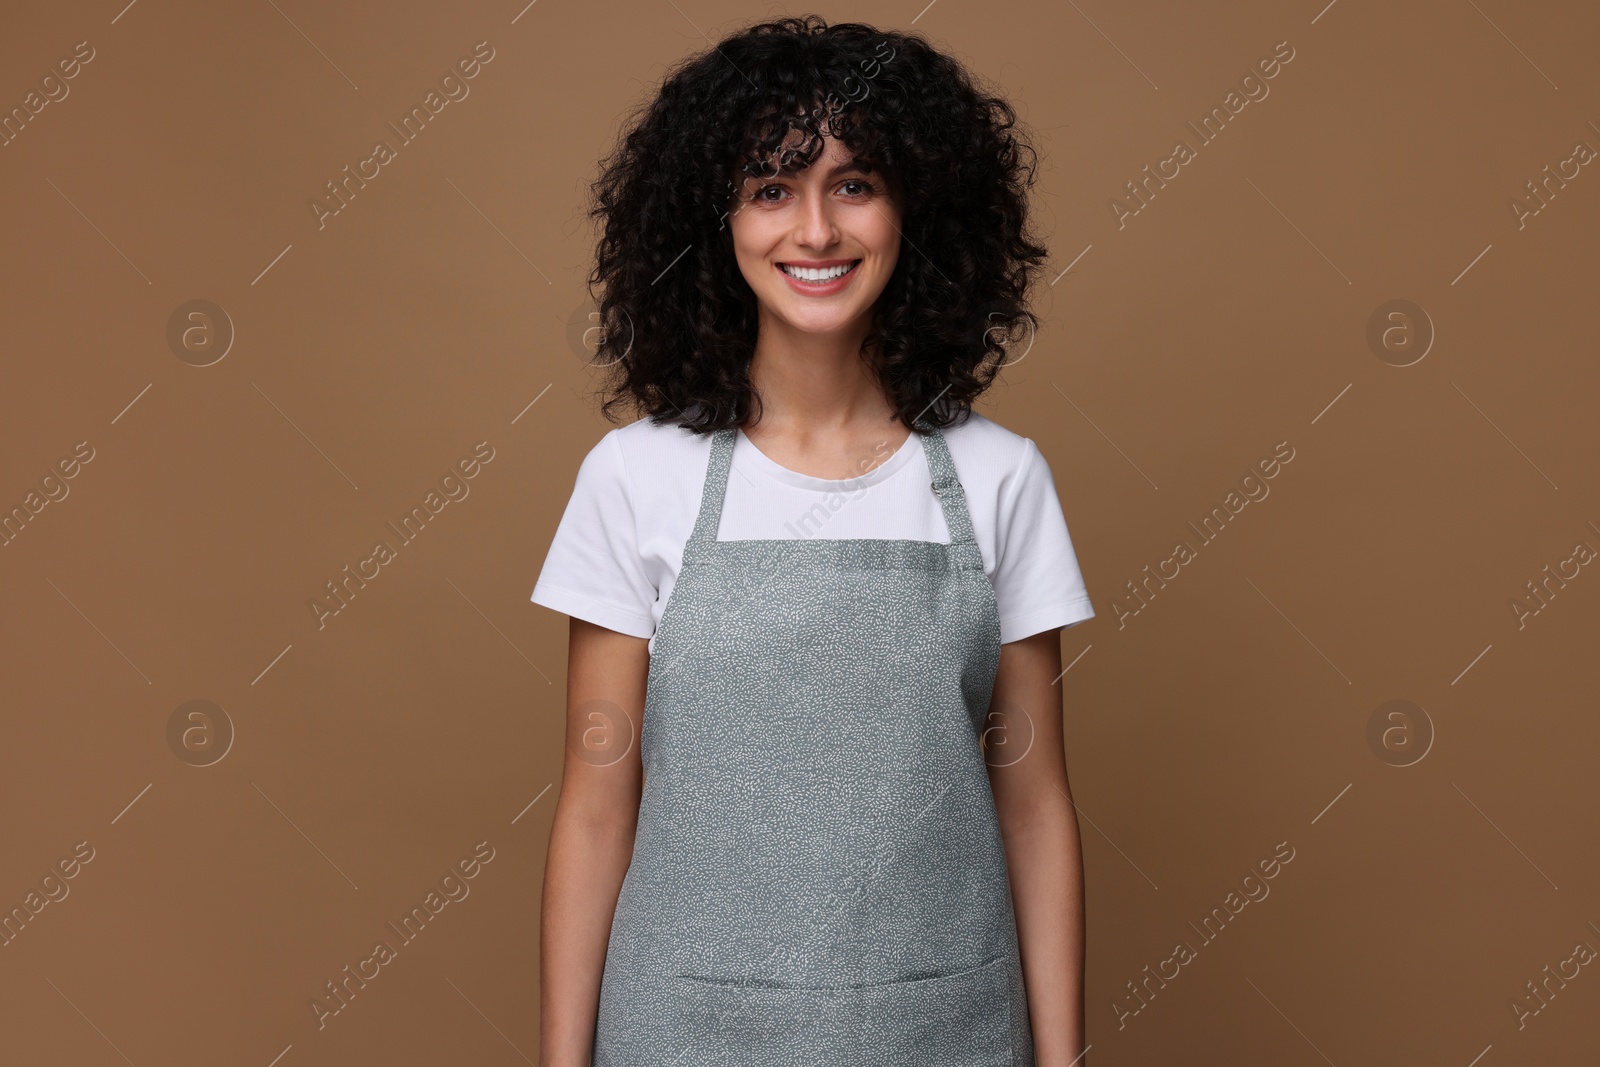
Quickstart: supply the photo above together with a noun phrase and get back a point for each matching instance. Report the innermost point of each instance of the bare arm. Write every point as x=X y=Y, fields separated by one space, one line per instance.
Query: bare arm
x=591 y=837
x=1028 y=773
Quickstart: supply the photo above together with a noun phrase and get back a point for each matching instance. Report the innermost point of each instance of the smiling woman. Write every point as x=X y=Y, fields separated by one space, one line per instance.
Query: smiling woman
x=785 y=226
x=818 y=236
x=727 y=154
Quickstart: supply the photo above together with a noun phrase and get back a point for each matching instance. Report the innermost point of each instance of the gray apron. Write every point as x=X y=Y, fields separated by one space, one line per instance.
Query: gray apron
x=818 y=876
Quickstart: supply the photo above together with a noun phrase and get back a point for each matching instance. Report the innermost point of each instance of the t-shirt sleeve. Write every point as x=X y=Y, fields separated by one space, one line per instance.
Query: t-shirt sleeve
x=594 y=570
x=1038 y=584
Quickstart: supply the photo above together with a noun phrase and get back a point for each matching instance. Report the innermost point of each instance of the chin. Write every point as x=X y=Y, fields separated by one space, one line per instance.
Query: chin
x=820 y=325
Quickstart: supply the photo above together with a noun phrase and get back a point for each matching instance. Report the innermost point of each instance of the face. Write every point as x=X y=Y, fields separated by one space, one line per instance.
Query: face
x=817 y=246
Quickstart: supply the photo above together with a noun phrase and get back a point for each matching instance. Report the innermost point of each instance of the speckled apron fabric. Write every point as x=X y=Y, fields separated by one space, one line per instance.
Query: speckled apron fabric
x=818 y=876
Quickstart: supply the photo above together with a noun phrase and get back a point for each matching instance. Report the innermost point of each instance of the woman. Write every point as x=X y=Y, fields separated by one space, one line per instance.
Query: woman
x=814 y=807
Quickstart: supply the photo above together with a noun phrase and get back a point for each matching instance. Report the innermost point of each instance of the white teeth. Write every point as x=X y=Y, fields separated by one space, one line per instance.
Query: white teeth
x=808 y=274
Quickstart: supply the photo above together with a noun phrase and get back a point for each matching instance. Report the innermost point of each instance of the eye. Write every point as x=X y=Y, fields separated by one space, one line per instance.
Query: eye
x=862 y=187
x=760 y=193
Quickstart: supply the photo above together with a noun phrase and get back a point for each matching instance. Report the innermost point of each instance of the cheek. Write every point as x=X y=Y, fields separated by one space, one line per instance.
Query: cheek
x=751 y=237
x=885 y=235
x=745 y=253
x=752 y=264
x=891 y=253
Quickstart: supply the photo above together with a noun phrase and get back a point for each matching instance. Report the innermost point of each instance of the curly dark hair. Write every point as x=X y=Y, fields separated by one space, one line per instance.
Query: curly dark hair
x=678 y=321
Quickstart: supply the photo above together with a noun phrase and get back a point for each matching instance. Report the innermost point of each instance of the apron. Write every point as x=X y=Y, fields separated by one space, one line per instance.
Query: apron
x=817 y=875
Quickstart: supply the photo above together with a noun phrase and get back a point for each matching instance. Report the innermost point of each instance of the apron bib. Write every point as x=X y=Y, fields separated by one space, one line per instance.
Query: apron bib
x=818 y=876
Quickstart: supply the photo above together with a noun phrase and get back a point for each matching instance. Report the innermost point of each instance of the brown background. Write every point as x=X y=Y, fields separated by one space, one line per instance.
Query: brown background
x=372 y=353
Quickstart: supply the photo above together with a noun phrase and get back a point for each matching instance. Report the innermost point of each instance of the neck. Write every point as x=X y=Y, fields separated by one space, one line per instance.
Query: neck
x=816 y=381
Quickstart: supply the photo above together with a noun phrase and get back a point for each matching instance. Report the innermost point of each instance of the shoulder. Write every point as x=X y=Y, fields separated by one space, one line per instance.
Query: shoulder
x=651 y=471
x=986 y=454
x=980 y=431
x=643 y=451
x=645 y=436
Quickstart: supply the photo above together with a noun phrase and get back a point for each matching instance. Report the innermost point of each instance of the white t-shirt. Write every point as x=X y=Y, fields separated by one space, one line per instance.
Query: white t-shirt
x=619 y=544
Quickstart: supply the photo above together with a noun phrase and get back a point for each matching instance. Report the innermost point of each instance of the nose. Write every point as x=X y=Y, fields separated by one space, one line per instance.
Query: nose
x=816 y=223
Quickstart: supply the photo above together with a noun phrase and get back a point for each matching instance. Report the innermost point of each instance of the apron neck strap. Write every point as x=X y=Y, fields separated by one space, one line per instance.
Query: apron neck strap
x=716 y=486
x=952 y=498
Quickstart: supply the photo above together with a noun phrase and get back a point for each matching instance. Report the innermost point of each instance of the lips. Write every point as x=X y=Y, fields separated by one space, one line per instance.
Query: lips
x=819 y=272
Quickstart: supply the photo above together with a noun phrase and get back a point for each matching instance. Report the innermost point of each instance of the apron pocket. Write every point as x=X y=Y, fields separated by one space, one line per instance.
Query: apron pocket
x=953 y=1020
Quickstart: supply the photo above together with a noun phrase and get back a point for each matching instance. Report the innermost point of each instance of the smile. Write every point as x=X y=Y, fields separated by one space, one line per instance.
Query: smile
x=819 y=275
